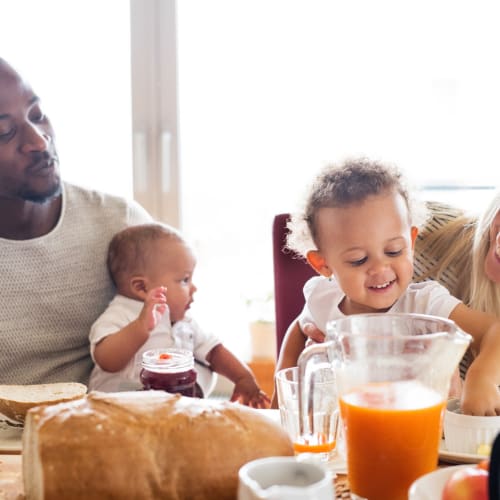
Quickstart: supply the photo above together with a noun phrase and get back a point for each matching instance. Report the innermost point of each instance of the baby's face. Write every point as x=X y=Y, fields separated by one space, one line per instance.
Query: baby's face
x=369 y=250
x=172 y=265
x=492 y=261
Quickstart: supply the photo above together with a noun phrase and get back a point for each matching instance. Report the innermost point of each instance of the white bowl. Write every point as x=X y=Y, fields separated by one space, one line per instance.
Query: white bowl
x=284 y=477
x=431 y=485
x=466 y=433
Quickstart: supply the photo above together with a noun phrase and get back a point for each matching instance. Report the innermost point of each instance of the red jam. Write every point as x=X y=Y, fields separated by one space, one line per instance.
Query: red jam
x=170 y=370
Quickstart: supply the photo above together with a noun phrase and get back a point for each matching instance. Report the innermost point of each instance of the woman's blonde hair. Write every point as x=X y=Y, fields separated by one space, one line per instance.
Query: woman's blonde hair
x=452 y=248
x=443 y=249
x=484 y=293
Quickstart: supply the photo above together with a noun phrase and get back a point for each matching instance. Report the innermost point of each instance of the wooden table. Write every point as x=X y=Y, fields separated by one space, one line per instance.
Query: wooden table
x=342 y=491
x=11 y=479
x=11 y=484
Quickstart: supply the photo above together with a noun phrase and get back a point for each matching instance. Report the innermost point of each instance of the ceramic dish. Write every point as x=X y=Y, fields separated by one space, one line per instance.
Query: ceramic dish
x=465 y=434
x=452 y=457
x=430 y=486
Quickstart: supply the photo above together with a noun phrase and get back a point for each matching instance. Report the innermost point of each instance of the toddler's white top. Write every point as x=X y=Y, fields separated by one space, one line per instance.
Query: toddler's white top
x=323 y=298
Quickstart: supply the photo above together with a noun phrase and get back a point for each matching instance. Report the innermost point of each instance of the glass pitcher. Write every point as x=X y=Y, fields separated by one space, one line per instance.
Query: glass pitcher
x=393 y=373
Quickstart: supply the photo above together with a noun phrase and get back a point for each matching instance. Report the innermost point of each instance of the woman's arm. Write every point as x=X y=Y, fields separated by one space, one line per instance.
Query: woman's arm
x=480 y=392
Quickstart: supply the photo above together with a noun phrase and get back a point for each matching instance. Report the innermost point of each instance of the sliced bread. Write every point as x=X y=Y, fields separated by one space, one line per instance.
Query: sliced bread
x=16 y=400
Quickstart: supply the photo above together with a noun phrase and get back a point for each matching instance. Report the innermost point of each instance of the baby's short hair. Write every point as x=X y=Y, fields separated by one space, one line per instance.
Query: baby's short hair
x=130 y=248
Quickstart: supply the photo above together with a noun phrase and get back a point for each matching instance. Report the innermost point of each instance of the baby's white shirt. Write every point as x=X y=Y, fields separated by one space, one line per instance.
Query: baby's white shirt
x=185 y=334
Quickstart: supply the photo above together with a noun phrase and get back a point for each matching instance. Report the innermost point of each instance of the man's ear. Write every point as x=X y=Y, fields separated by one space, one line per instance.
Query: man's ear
x=317 y=262
x=138 y=286
x=414 y=234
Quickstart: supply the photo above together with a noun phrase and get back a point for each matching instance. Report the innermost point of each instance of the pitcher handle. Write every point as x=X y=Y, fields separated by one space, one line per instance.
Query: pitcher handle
x=312 y=359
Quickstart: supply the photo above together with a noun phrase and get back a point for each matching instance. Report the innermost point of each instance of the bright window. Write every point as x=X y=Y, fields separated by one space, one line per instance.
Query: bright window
x=76 y=55
x=272 y=90
x=269 y=91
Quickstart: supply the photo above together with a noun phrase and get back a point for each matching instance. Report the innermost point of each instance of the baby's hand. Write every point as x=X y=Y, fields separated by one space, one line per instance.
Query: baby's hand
x=247 y=392
x=480 y=395
x=154 y=307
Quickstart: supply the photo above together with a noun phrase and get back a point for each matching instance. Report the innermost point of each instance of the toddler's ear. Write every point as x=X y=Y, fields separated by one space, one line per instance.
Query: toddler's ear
x=317 y=262
x=414 y=234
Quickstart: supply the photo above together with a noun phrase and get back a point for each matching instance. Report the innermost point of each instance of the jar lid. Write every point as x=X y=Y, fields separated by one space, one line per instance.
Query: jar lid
x=168 y=360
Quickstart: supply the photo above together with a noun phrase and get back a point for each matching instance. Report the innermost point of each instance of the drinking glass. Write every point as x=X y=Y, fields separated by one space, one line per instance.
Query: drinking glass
x=323 y=441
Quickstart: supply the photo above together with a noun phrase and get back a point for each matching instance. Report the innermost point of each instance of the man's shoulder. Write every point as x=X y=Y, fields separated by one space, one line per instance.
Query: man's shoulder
x=77 y=198
x=80 y=194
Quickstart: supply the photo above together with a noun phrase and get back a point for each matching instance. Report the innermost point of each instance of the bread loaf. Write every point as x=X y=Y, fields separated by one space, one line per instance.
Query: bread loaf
x=143 y=445
x=16 y=400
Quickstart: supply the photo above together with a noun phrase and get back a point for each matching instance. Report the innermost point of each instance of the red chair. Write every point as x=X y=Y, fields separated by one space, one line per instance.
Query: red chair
x=290 y=274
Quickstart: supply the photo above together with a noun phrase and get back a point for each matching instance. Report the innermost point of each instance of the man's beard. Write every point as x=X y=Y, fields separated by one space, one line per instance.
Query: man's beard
x=37 y=197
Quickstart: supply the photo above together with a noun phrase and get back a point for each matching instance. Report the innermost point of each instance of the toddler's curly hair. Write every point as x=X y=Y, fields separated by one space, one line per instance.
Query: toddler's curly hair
x=342 y=185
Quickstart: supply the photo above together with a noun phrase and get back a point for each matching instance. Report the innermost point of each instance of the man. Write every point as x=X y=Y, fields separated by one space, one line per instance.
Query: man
x=53 y=245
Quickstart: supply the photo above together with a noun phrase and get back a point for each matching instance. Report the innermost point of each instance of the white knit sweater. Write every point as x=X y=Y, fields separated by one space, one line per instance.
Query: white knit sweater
x=53 y=288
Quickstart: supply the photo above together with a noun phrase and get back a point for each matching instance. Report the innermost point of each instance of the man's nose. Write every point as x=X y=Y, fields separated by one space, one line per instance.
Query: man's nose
x=34 y=139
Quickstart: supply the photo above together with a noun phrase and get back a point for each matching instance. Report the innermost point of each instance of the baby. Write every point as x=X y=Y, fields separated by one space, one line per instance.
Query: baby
x=152 y=267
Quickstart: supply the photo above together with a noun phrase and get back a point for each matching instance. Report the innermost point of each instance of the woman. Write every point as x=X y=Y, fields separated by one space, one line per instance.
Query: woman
x=463 y=253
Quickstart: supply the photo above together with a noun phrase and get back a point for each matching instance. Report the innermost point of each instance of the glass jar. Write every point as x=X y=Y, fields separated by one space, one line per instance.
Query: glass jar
x=171 y=370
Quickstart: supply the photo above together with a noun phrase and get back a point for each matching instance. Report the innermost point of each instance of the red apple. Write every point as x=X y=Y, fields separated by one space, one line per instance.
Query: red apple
x=470 y=483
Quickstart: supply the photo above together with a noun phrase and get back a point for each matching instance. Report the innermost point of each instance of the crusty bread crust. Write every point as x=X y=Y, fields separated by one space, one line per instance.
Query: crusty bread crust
x=16 y=400
x=144 y=445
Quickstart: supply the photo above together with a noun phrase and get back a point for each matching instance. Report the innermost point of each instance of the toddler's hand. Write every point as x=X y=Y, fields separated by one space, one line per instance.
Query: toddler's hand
x=313 y=333
x=154 y=307
x=456 y=385
x=480 y=395
x=247 y=392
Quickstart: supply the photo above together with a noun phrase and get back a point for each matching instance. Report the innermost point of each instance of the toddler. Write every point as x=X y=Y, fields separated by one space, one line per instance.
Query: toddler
x=358 y=232
x=152 y=267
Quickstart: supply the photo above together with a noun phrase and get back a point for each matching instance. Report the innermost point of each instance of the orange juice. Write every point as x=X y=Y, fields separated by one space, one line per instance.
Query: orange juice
x=392 y=431
x=317 y=444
